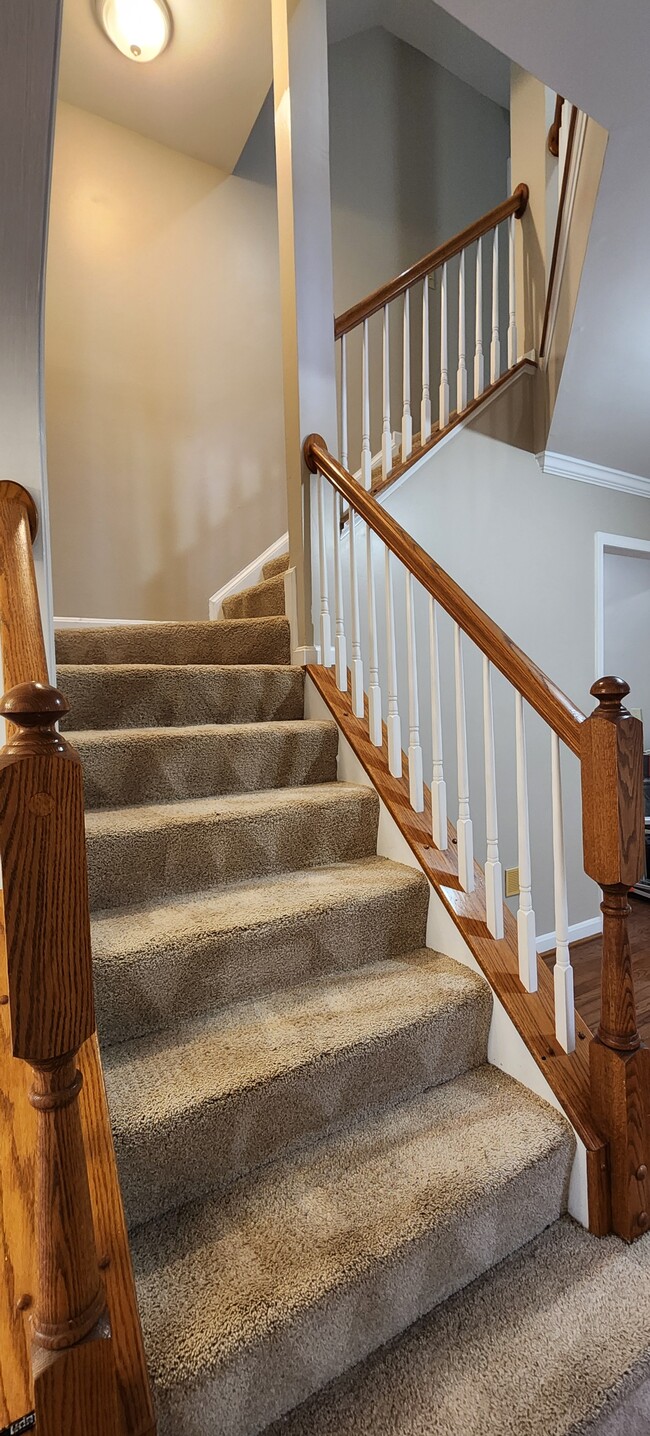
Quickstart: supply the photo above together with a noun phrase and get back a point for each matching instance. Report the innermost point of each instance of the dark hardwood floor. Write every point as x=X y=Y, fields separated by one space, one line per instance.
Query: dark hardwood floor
x=585 y=957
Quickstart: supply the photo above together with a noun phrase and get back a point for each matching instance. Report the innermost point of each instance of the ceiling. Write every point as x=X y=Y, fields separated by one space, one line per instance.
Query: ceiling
x=202 y=96
x=596 y=53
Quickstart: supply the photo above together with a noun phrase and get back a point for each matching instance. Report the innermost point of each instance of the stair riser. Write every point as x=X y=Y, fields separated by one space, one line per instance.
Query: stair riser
x=233 y=1136
x=101 y=697
x=138 y=867
x=165 y=768
x=265 y=641
x=293 y=1361
x=157 y=990
x=263 y=601
x=275 y=566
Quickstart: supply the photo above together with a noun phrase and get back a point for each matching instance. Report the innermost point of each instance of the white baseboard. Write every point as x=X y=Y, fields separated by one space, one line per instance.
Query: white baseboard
x=249 y=576
x=585 y=472
x=577 y=931
x=105 y=622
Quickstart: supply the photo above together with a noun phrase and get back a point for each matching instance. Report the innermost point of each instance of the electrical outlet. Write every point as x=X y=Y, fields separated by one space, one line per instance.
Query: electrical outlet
x=512 y=881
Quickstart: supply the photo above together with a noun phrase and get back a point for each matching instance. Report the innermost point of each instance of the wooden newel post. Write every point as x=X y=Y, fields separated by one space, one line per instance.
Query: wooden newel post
x=43 y=852
x=614 y=856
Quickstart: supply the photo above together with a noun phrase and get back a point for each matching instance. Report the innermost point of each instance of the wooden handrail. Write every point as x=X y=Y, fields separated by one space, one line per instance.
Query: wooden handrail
x=515 y=204
x=72 y=1349
x=549 y=701
x=573 y=120
x=553 y=137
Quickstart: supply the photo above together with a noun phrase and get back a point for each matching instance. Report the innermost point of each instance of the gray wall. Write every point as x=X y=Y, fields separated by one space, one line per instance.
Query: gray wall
x=626 y=626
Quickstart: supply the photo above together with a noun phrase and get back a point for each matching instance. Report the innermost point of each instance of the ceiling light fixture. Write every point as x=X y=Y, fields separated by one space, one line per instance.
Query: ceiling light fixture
x=140 y=29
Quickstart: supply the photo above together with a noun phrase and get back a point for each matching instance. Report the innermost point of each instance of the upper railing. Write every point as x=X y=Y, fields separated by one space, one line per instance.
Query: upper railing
x=608 y=745
x=51 y=1016
x=465 y=368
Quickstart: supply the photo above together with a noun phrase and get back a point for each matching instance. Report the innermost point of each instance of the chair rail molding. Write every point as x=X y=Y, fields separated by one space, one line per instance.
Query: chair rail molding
x=587 y=472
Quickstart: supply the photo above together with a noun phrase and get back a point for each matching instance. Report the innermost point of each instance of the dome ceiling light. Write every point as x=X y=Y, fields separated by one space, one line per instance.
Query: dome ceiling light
x=139 y=29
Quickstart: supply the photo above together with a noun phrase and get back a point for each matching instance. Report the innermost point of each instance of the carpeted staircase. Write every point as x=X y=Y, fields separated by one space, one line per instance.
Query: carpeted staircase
x=313 y=1149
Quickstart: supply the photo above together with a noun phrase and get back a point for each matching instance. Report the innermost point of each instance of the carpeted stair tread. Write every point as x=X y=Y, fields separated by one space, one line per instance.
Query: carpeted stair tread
x=136 y=855
x=275 y=566
x=552 y=1342
x=262 y=640
x=154 y=966
x=253 y=1302
x=153 y=695
x=261 y=600
x=166 y=764
x=241 y=1084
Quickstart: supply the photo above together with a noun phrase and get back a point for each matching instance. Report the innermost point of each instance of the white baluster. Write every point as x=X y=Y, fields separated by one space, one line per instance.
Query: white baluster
x=366 y=454
x=512 y=303
x=386 y=436
x=443 y=405
x=565 y=1014
x=425 y=407
x=493 y=880
x=479 y=361
x=340 y=646
x=407 y=421
x=374 y=691
x=357 y=661
x=464 y=829
x=393 y=722
x=461 y=378
x=344 y=401
x=525 y=915
x=416 y=779
x=325 y=623
x=438 y=785
x=495 y=344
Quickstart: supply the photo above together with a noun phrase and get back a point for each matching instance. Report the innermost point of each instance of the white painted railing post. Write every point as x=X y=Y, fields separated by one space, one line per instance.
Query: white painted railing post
x=461 y=378
x=356 y=665
x=340 y=646
x=393 y=722
x=512 y=295
x=386 y=436
x=425 y=407
x=416 y=778
x=438 y=785
x=464 y=829
x=344 y=401
x=526 y=942
x=374 y=690
x=443 y=403
x=407 y=421
x=479 y=361
x=565 y=1018
x=493 y=879
x=325 y=621
x=495 y=343
x=366 y=453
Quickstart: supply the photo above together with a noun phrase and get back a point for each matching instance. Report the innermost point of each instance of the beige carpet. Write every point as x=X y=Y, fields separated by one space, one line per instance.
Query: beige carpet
x=312 y=1147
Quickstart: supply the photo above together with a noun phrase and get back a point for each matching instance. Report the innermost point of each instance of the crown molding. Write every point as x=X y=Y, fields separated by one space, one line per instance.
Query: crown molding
x=587 y=473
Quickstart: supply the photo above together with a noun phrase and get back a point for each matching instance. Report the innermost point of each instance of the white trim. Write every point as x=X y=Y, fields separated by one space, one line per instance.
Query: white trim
x=586 y=472
x=578 y=931
x=248 y=576
x=105 y=622
x=611 y=543
x=506 y=1048
x=565 y=230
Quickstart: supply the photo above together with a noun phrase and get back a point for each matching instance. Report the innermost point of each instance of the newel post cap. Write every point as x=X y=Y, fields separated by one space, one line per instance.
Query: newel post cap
x=610 y=692
x=34 y=705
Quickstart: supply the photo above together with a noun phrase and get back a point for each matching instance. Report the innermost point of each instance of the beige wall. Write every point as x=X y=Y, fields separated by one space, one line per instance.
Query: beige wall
x=163 y=380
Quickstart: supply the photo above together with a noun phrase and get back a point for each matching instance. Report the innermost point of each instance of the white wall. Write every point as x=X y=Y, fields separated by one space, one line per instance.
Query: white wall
x=522 y=544
x=626 y=626
x=163 y=374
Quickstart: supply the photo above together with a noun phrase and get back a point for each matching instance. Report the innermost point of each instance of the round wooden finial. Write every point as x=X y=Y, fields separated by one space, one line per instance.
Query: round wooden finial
x=34 y=705
x=307 y=447
x=610 y=691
